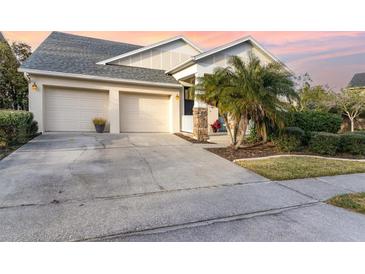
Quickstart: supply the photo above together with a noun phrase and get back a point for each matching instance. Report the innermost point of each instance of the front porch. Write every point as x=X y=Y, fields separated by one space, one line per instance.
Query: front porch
x=196 y=114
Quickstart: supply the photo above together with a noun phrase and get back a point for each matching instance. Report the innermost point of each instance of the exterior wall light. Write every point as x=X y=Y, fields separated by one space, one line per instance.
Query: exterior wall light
x=34 y=86
x=177 y=97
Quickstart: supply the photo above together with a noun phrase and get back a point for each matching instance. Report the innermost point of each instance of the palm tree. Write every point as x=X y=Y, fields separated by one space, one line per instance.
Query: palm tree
x=215 y=94
x=250 y=90
x=262 y=91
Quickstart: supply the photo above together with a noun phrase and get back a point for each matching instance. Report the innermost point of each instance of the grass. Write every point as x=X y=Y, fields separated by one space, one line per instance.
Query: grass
x=287 y=168
x=354 y=202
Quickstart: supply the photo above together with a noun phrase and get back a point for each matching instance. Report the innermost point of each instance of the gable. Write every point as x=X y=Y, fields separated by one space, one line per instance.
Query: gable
x=163 y=57
x=221 y=58
x=358 y=80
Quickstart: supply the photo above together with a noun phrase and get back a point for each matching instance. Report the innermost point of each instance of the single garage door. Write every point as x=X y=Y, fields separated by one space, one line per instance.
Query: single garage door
x=144 y=112
x=73 y=110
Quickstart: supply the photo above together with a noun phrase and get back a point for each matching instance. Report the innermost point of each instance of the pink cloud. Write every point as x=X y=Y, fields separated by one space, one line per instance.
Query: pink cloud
x=299 y=49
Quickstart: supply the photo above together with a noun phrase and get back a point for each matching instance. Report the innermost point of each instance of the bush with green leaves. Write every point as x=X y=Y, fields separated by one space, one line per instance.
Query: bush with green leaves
x=16 y=126
x=324 y=143
x=290 y=139
x=315 y=121
x=353 y=143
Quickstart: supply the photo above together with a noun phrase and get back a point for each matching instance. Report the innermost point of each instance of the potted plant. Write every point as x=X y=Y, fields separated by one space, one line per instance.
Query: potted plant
x=216 y=126
x=99 y=124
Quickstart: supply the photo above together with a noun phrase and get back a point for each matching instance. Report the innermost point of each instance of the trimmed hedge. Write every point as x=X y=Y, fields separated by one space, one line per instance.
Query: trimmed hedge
x=16 y=126
x=290 y=139
x=315 y=121
x=353 y=143
x=324 y=143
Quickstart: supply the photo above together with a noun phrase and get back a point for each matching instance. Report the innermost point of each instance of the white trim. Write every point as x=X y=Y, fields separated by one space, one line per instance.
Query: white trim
x=90 y=77
x=161 y=43
x=180 y=66
x=224 y=47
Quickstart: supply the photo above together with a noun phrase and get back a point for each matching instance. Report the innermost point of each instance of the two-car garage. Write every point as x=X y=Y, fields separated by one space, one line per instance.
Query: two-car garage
x=67 y=109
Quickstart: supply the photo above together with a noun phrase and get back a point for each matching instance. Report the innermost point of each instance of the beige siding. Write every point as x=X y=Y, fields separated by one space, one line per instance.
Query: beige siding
x=164 y=57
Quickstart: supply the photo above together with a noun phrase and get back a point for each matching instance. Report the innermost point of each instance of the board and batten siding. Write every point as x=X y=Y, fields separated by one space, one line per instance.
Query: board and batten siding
x=221 y=59
x=163 y=57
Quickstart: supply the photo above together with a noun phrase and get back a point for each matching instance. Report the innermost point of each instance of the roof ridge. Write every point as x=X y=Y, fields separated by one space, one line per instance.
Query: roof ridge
x=92 y=38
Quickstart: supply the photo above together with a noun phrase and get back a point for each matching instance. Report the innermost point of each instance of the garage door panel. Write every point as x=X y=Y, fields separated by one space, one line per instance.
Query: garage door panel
x=144 y=113
x=73 y=110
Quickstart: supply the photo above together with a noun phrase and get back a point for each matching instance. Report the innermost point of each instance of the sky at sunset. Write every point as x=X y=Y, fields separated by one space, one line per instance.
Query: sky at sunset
x=329 y=57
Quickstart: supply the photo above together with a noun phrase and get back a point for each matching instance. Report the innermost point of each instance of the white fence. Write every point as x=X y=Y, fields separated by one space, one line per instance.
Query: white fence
x=187 y=123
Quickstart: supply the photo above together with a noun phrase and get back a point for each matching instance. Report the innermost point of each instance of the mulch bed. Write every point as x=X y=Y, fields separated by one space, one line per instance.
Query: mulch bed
x=6 y=151
x=252 y=152
x=264 y=150
x=191 y=140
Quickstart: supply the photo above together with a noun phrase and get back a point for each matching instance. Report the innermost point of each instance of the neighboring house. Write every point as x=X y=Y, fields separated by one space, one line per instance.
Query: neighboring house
x=357 y=81
x=136 y=88
x=2 y=38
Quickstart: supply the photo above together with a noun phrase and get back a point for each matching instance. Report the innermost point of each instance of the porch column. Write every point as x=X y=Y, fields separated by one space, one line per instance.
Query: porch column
x=200 y=117
x=114 y=111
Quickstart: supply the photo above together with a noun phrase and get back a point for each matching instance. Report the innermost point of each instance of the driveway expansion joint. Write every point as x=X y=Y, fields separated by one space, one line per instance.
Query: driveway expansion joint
x=206 y=222
x=117 y=197
x=297 y=191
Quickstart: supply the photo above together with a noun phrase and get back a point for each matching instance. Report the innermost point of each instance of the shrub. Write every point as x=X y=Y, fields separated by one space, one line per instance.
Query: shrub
x=353 y=143
x=98 y=121
x=290 y=139
x=252 y=137
x=315 y=121
x=324 y=143
x=16 y=126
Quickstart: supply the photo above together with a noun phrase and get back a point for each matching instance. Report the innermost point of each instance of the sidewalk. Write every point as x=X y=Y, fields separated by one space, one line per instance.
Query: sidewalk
x=312 y=220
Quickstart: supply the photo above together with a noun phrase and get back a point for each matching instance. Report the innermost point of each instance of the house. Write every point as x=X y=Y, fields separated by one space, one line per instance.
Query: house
x=136 y=88
x=2 y=38
x=357 y=81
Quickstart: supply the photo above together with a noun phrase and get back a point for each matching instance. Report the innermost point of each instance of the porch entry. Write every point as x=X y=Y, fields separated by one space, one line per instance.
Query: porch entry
x=187 y=117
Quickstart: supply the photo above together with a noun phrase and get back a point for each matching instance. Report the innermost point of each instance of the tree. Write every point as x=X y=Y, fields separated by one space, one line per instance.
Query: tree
x=13 y=85
x=215 y=94
x=352 y=103
x=316 y=98
x=249 y=90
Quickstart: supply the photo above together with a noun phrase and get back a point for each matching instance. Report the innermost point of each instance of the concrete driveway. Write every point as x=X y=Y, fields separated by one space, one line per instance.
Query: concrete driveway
x=74 y=187
x=63 y=167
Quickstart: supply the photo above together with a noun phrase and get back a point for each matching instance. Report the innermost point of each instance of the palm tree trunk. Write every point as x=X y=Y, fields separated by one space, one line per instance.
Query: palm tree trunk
x=242 y=130
x=264 y=133
x=225 y=118
x=232 y=127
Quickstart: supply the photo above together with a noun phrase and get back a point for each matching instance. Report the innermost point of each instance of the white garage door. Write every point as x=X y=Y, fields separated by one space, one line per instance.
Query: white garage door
x=144 y=113
x=73 y=110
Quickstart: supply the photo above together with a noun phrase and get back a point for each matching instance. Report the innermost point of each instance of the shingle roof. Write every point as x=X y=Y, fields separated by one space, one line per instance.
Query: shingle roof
x=2 y=38
x=67 y=53
x=358 y=80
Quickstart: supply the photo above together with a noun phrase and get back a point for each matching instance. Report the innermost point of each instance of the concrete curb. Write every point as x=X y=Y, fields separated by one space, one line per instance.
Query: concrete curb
x=296 y=155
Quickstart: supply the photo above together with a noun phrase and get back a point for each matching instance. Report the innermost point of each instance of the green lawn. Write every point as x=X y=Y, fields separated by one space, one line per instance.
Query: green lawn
x=286 y=168
x=354 y=202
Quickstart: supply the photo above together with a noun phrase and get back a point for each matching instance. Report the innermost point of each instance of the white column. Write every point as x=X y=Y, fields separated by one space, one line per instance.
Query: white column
x=114 y=111
x=36 y=103
x=198 y=103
